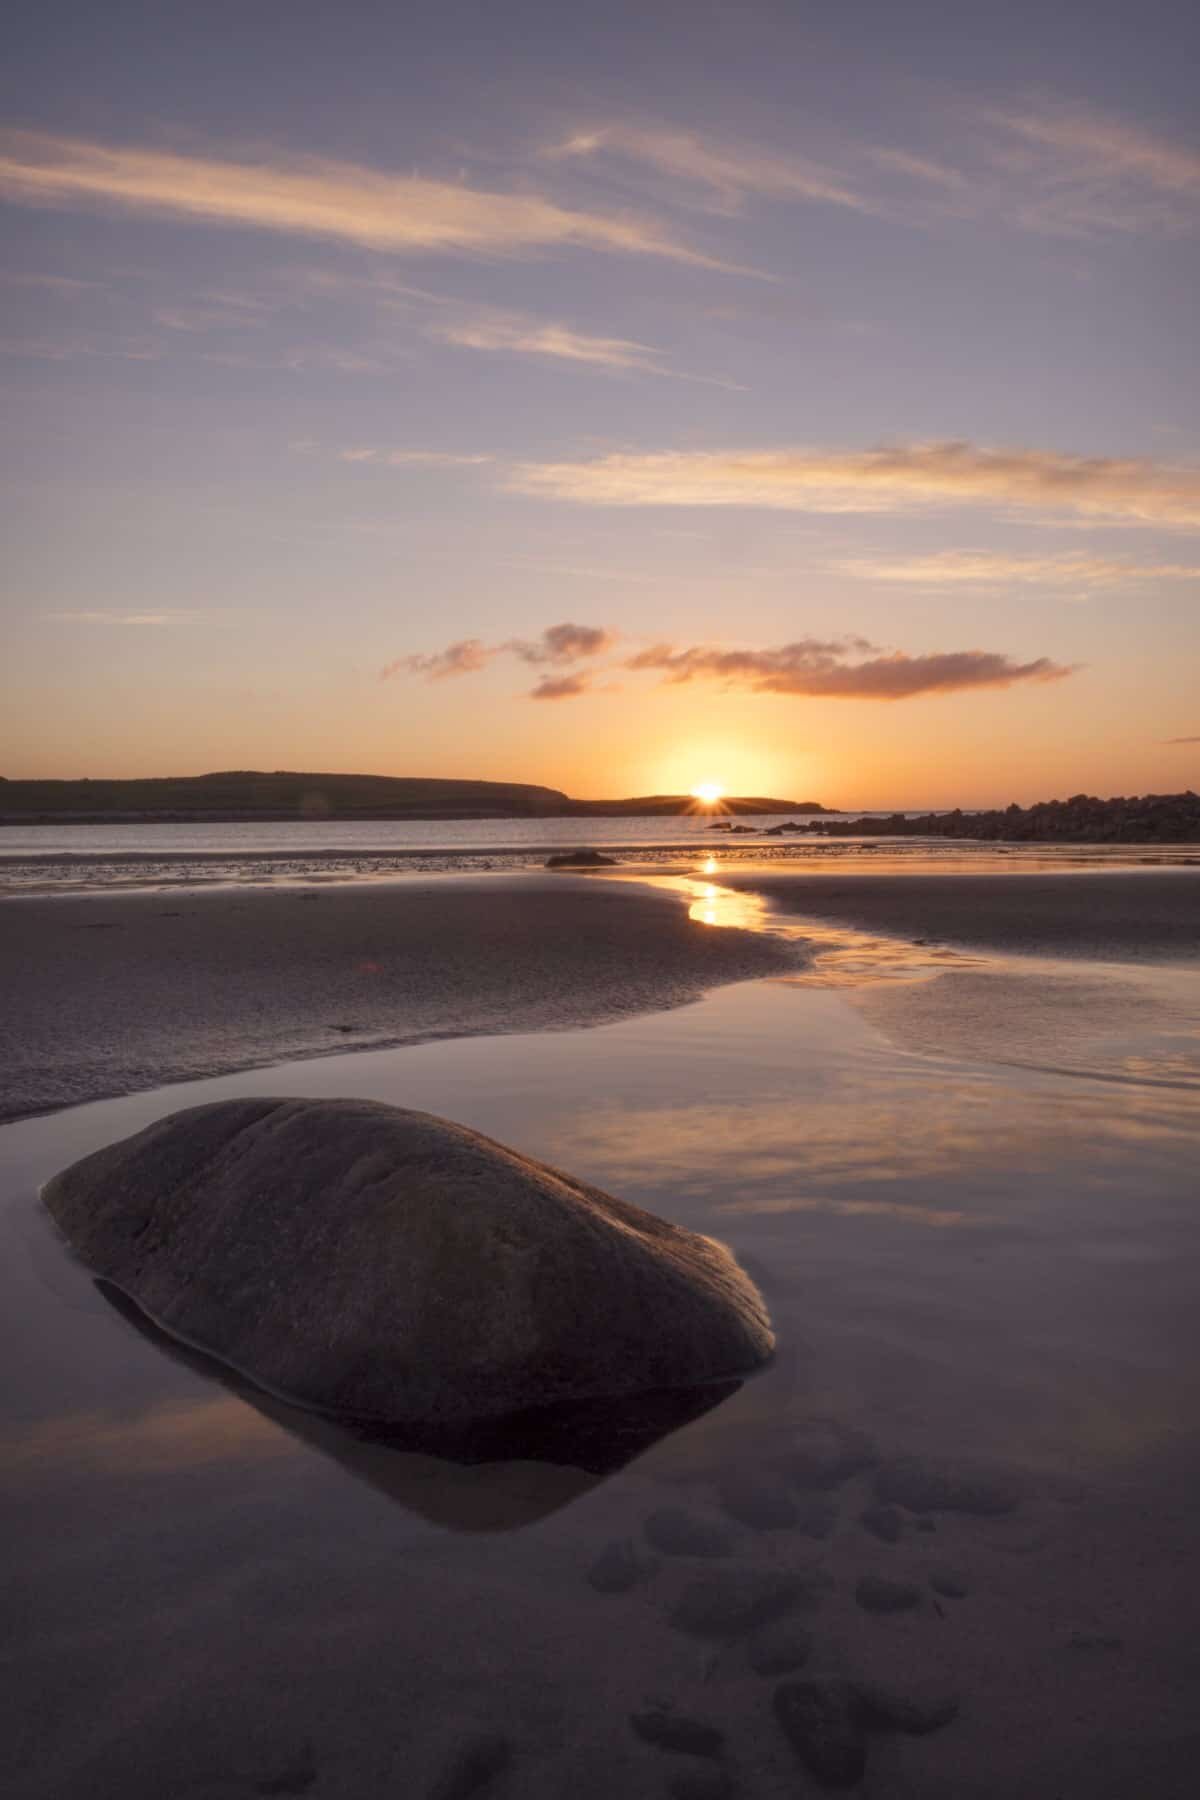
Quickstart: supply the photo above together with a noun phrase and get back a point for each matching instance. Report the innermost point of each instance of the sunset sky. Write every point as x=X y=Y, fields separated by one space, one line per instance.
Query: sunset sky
x=802 y=398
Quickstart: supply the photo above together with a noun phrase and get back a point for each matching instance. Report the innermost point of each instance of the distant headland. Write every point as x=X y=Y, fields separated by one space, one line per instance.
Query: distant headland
x=252 y=795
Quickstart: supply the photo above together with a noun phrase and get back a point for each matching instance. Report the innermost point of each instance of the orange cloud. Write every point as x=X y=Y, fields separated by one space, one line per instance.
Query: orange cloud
x=314 y=197
x=891 y=478
x=558 y=645
x=560 y=687
x=823 y=670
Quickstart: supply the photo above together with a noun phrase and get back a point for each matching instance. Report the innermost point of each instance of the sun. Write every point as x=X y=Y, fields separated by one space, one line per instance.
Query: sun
x=708 y=792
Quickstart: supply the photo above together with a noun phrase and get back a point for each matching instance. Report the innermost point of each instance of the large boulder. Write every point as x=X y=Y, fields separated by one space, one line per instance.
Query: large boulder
x=381 y=1264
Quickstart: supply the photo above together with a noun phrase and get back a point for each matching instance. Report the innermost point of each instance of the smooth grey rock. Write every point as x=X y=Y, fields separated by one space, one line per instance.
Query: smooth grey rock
x=779 y=1649
x=473 y=1767
x=668 y=1730
x=621 y=1566
x=913 y=1707
x=820 y=1719
x=875 y=1594
x=376 y=1263
x=926 y=1486
x=761 y=1501
x=883 y=1522
x=677 y=1532
x=948 y=1584
x=734 y=1601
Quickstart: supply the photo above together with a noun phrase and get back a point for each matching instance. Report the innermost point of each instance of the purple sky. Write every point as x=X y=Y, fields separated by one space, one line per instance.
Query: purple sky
x=832 y=368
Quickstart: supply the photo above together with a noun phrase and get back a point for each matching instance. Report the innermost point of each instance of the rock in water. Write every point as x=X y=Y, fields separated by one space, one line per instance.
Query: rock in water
x=381 y=1264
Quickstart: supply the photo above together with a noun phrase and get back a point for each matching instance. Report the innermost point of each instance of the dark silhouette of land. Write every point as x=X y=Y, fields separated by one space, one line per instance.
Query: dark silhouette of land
x=251 y=794
x=1083 y=819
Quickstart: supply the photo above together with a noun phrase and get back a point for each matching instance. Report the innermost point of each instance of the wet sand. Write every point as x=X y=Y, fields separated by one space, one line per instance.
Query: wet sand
x=1131 y=915
x=216 y=1596
x=109 y=995
x=965 y=1489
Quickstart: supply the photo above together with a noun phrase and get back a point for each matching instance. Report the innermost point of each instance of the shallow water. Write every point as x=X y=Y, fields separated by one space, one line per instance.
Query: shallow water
x=214 y=1595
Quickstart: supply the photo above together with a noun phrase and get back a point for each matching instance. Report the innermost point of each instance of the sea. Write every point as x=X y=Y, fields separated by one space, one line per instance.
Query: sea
x=85 y=858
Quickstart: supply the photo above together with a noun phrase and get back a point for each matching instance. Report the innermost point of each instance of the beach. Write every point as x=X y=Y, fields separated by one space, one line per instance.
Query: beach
x=946 y=1121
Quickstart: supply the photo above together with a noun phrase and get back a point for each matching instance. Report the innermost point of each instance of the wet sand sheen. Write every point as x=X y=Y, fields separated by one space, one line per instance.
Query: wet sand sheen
x=965 y=1264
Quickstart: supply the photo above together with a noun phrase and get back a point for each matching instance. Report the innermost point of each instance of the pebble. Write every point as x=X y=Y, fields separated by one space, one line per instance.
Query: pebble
x=927 y=1487
x=820 y=1719
x=779 y=1649
x=915 y=1709
x=621 y=1566
x=883 y=1522
x=823 y=1454
x=817 y=1518
x=1093 y=1640
x=474 y=1766
x=736 y=1601
x=760 y=1501
x=700 y=1783
x=948 y=1584
x=680 y=1533
x=876 y=1594
x=668 y=1730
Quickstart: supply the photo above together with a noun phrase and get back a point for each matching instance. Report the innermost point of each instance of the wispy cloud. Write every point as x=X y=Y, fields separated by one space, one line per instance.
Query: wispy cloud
x=889 y=479
x=517 y=335
x=995 y=569
x=725 y=173
x=178 y=616
x=829 y=670
x=1081 y=172
x=1182 y=740
x=529 y=337
x=310 y=196
x=405 y=459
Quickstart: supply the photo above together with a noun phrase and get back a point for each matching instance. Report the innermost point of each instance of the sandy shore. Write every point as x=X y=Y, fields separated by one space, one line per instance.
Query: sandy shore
x=1130 y=915
x=110 y=995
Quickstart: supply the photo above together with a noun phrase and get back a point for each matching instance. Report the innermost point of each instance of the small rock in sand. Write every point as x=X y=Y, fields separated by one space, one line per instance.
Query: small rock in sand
x=911 y=1707
x=621 y=1566
x=820 y=1719
x=883 y=1522
x=925 y=1486
x=700 y=1783
x=948 y=1584
x=581 y=859
x=817 y=1518
x=779 y=1649
x=473 y=1767
x=736 y=1601
x=875 y=1594
x=824 y=1453
x=668 y=1730
x=760 y=1501
x=677 y=1532
x=1093 y=1640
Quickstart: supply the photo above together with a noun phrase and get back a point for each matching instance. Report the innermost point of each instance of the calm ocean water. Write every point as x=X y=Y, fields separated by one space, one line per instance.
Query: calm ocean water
x=79 y=858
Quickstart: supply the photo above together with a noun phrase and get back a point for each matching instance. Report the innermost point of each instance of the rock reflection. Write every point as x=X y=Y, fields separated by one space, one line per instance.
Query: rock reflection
x=501 y=1476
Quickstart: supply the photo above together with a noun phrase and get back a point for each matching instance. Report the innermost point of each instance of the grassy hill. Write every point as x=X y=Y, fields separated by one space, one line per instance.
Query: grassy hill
x=283 y=794
x=252 y=794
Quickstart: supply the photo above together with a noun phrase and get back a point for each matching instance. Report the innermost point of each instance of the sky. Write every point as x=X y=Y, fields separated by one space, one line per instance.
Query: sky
x=798 y=398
